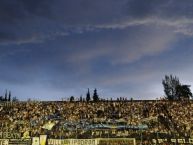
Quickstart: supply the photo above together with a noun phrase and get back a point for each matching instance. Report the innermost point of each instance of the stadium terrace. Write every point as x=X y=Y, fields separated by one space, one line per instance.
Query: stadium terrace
x=145 y=121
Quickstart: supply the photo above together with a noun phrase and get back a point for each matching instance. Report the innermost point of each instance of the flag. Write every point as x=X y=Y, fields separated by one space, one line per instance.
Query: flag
x=49 y=125
x=43 y=139
x=26 y=135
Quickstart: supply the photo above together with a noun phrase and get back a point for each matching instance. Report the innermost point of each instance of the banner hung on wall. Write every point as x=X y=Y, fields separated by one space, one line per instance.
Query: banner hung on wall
x=4 y=142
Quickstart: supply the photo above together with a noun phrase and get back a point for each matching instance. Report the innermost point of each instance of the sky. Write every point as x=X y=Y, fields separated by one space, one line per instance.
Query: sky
x=55 y=49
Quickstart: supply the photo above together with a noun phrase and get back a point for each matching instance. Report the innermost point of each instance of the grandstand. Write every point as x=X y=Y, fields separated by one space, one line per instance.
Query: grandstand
x=102 y=123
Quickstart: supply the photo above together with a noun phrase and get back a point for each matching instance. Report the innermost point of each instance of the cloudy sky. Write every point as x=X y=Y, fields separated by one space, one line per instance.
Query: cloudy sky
x=53 y=49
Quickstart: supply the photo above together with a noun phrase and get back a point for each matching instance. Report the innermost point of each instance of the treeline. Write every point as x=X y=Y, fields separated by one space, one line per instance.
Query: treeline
x=6 y=97
x=94 y=98
x=173 y=88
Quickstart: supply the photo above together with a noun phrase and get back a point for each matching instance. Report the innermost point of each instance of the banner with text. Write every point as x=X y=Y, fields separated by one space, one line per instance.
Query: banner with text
x=10 y=135
x=72 y=142
x=4 y=142
x=117 y=141
x=83 y=142
x=180 y=141
x=58 y=142
x=19 y=141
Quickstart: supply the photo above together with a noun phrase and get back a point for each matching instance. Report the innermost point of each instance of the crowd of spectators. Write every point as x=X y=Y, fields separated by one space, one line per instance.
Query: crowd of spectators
x=80 y=119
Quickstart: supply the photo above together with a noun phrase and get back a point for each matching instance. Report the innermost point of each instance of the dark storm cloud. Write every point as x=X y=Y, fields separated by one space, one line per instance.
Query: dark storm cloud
x=26 y=21
x=26 y=15
x=19 y=20
x=15 y=10
x=159 y=8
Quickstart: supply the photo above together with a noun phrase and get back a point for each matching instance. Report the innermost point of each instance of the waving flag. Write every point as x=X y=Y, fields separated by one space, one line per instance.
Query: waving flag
x=50 y=125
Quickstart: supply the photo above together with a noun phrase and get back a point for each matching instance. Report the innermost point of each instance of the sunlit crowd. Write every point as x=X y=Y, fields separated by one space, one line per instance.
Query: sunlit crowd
x=66 y=119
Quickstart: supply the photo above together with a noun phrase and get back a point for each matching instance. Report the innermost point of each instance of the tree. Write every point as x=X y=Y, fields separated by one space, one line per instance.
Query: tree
x=71 y=98
x=95 y=96
x=174 y=90
x=1 y=98
x=184 y=92
x=15 y=99
x=170 y=84
x=88 y=96
x=6 y=95
x=9 y=98
x=81 y=98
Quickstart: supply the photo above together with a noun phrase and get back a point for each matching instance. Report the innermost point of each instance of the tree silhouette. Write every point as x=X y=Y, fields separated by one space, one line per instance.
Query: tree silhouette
x=15 y=99
x=81 y=98
x=9 y=97
x=170 y=83
x=174 y=90
x=88 y=96
x=183 y=92
x=6 y=95
x=1 y=98
x=71 y=98
x=95 y=96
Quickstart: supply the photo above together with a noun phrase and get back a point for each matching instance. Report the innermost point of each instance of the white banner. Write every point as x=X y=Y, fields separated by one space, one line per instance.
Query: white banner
x=72 y=142
x=58 y=142
x=83 y=142
x=35 y=141
x=4 y=142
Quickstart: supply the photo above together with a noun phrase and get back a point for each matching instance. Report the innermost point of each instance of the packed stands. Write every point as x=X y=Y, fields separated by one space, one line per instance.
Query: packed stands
x=143 y=120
